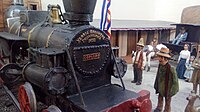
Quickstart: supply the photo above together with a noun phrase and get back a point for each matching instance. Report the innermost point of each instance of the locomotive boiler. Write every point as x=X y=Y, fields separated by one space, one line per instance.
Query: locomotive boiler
x=61 y=60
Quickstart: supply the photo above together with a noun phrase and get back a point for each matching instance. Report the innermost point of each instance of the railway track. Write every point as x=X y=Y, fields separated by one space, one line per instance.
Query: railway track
x=8 y=101
x=11 y=74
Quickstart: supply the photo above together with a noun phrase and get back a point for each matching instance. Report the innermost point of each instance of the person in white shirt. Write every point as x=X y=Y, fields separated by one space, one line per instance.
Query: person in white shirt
x=183 y=59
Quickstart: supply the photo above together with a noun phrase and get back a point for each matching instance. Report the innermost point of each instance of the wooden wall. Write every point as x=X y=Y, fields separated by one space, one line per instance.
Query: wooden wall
x=4 y=4
x=1 y=17
x=132 y=40
x=127 y=40
x=114 y=38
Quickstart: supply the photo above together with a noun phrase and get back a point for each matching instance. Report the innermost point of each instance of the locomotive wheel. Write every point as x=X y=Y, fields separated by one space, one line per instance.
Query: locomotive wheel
x=27 y=99
x=10 y=73
x=52 y=108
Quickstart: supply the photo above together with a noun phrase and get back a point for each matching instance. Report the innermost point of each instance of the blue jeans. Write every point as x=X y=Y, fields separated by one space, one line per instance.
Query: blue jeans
x=176 y=41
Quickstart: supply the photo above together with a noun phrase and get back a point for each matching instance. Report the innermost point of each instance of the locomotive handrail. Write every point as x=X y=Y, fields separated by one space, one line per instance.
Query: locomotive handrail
x=75 y=77
x=119 y=74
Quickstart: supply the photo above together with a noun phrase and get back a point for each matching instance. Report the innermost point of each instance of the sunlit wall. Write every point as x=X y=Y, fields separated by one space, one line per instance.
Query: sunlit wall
x=167 y=10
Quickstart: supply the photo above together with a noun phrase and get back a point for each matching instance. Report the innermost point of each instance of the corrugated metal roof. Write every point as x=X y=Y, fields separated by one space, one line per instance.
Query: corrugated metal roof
x=137 y=24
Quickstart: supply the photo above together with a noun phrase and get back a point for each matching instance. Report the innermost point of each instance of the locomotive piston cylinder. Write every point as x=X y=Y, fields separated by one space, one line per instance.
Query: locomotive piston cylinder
x=53 y=80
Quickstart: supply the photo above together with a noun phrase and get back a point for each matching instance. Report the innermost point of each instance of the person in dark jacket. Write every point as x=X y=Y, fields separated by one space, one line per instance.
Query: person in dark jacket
x=166 y=82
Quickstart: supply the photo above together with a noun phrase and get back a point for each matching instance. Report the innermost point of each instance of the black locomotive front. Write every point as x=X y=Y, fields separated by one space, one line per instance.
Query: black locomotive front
x=89 y=50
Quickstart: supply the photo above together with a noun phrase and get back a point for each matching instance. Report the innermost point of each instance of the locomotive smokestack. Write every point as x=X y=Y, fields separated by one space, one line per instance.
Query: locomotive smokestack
x=79 y=10
x=18 y=2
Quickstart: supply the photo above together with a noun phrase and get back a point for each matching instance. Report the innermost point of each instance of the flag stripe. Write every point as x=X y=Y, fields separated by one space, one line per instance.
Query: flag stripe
x=102 y=14
x=108 y=5
x=105 y=23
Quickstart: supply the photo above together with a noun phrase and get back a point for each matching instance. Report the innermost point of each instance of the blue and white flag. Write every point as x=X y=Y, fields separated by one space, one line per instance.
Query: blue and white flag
x=105 y=23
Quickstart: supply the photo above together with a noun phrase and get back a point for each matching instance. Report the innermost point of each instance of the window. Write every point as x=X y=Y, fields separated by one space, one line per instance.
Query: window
x=33 y=7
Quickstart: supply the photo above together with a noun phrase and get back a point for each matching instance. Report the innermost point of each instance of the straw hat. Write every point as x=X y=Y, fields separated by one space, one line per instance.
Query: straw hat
x=164 y=52
x=141 y=42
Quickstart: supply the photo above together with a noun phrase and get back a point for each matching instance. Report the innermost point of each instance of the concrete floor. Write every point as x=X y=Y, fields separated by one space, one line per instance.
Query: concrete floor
x=179 y=101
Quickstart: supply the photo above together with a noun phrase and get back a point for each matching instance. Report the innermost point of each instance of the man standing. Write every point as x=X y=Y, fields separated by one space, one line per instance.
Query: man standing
x=166 y=82
x=139 y=61
x=196 y=73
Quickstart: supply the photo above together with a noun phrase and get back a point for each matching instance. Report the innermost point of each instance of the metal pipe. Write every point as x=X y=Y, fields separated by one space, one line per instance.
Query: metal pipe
x=115 y=63
x=75 y=77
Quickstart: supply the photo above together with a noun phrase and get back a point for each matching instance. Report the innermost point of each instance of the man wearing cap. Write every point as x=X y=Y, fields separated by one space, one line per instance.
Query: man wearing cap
x=166 y=82
x=182 y=36
x=139 y=61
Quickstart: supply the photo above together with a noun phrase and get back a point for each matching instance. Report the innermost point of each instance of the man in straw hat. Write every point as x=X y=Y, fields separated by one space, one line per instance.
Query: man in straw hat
x=166 y=82
x=139 y=61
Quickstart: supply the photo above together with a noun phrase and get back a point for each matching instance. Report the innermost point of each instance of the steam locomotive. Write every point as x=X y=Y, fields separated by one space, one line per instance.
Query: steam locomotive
x=64 y=62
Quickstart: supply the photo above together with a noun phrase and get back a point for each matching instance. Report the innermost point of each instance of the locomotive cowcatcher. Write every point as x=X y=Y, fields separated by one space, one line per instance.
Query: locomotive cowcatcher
x=64 y=62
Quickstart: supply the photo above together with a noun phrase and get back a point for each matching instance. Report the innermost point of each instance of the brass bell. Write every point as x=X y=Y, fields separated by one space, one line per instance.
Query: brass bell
x=55 y=18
